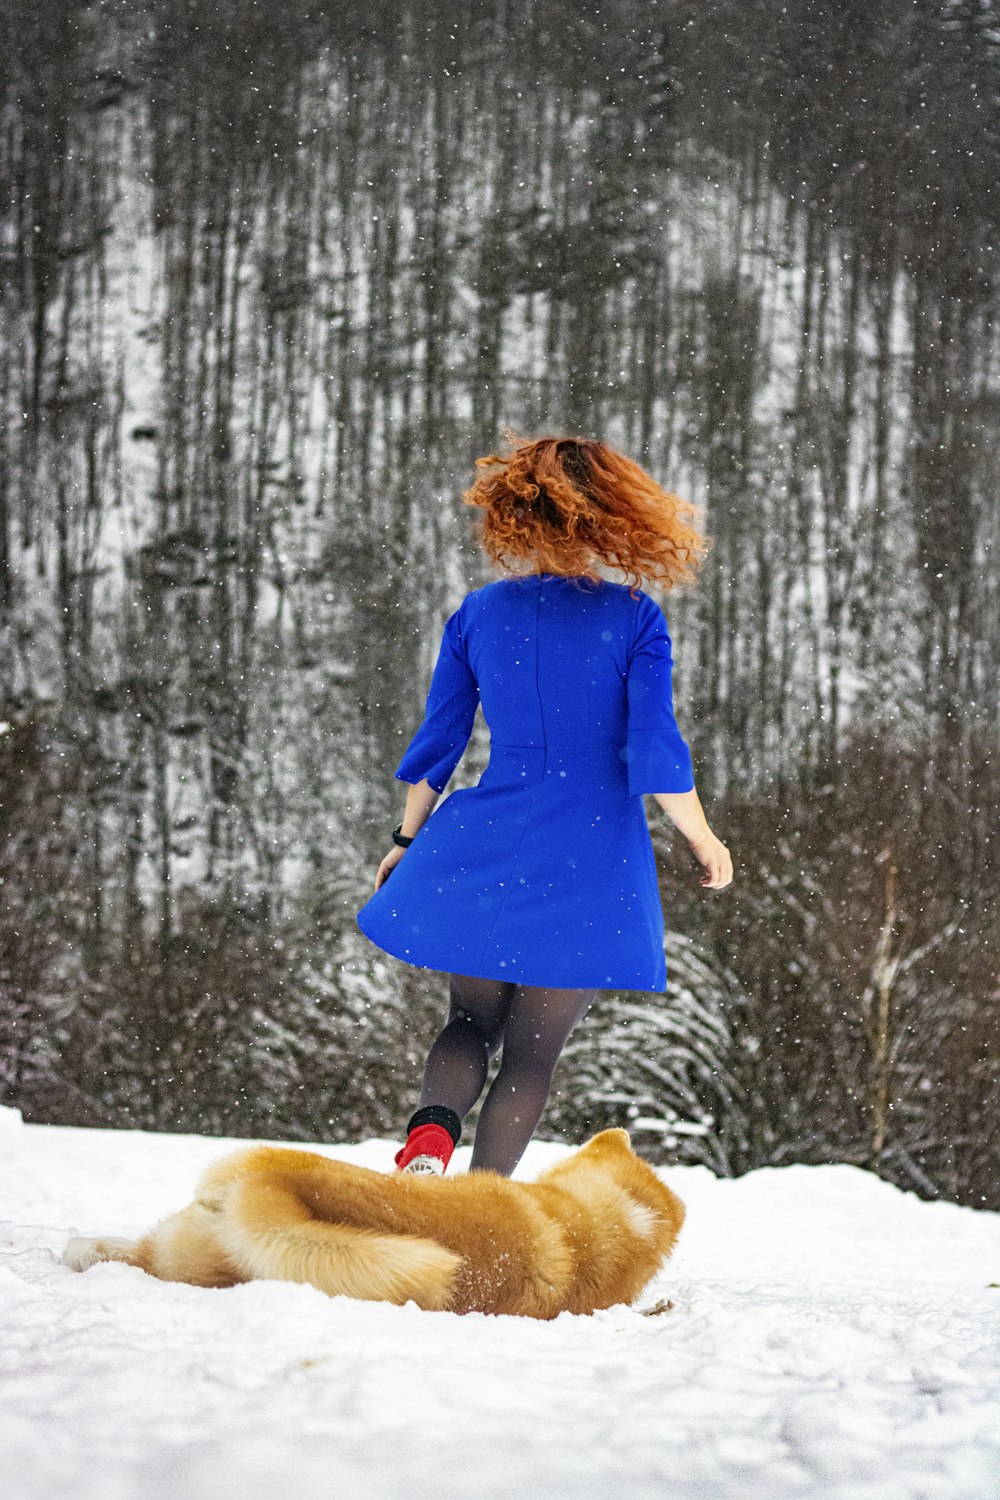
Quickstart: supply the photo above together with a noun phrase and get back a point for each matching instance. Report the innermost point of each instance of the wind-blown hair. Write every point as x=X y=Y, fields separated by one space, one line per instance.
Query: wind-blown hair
x=567 y=504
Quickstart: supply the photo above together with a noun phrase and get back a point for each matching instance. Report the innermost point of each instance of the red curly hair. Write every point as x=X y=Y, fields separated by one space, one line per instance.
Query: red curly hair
x=569 y=503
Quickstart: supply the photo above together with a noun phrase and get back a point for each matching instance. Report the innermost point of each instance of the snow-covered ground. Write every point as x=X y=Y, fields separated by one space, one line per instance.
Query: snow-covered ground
x=829 y=1336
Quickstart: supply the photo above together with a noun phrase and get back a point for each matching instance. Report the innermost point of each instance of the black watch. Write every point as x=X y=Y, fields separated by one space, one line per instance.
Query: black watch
x=397 y=837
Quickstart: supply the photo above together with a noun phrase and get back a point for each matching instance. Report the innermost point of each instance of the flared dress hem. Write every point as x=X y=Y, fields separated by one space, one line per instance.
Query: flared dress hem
x=538 y=980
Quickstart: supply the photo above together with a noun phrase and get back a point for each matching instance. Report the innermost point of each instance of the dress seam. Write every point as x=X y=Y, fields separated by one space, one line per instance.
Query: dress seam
x=635 y=632
x=593 y=739
x=534 y=796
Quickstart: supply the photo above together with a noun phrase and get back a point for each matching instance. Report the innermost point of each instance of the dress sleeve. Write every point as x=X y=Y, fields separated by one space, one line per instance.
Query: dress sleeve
x=656 y=755
x=452 y=700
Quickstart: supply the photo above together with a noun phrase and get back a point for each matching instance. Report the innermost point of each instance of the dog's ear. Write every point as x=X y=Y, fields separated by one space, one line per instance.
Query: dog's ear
x=609 y=1140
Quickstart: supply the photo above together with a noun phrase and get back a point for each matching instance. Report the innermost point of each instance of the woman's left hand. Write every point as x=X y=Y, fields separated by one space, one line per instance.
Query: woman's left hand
x=387 y=866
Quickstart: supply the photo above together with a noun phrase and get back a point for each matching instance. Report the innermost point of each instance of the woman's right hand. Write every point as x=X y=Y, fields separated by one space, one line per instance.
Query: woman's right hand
x=713 y=854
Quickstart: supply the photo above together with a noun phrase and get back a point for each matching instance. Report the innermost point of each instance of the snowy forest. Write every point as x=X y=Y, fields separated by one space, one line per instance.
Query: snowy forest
x=271 y=278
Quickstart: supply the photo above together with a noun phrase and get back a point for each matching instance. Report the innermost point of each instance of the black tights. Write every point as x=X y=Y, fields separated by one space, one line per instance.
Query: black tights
x=532 y=1025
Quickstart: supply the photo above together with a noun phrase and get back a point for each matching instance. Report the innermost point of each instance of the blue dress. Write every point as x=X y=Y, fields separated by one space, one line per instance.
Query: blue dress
x=543 y=872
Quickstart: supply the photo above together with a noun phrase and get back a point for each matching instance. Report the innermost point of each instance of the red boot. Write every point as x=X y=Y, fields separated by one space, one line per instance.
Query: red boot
x=432 y=1135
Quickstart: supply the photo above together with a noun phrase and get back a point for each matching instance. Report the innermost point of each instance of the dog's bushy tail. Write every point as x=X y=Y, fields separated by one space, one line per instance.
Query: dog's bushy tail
x=268 y=1232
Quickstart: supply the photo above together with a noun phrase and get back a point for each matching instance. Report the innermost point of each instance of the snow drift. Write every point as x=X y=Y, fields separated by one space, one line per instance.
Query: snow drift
x=817 y=1333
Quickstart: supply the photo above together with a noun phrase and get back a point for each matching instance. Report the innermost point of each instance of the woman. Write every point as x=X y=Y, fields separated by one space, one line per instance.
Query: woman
x=537 y=886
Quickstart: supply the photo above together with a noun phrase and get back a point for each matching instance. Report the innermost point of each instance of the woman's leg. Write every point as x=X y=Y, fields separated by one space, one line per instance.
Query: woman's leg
x=539 y=1022
x=459 y=1061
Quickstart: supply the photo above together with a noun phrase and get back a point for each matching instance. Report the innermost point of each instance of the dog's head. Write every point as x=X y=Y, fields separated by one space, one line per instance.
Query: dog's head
x=610 y=1153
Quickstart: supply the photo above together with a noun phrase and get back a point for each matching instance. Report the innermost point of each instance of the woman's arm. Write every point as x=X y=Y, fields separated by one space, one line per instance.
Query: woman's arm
x=685 y=811
x=421 y=799
x=436 y=748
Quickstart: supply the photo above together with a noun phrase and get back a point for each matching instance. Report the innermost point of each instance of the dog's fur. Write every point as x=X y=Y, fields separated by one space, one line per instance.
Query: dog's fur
x=592 y=1231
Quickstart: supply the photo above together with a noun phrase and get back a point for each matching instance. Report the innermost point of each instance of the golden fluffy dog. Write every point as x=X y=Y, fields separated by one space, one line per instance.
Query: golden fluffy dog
x=590 y=1232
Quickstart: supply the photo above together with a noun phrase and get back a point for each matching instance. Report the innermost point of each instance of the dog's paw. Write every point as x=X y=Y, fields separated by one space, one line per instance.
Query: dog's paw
x=80 y=1254
x=663 y=1306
